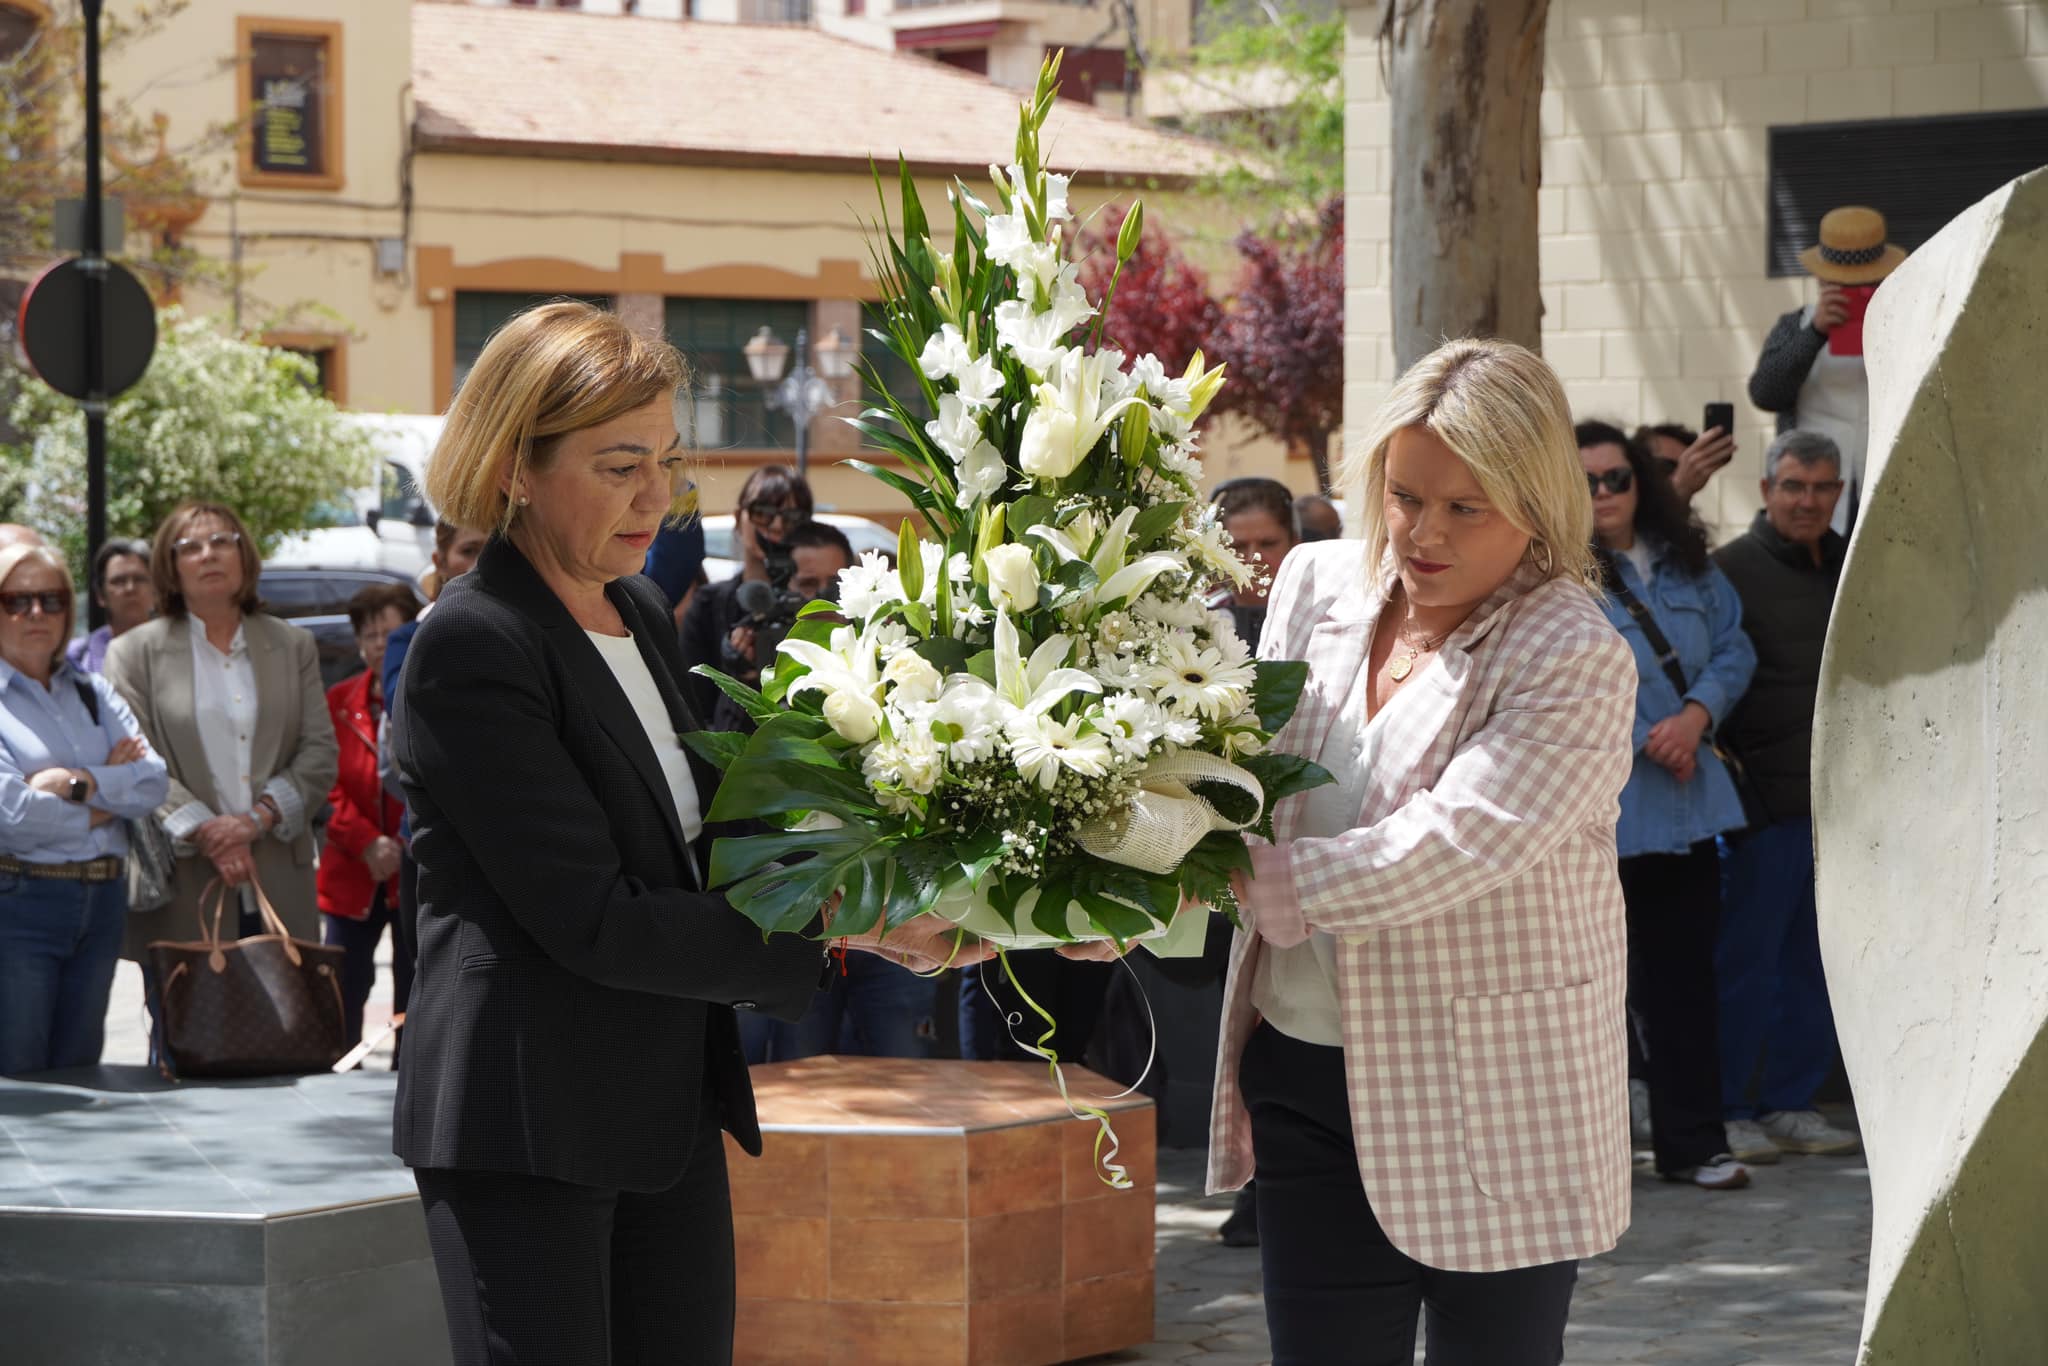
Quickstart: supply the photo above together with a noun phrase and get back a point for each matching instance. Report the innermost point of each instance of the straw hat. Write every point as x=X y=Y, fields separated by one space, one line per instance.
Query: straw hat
x=1852 y=249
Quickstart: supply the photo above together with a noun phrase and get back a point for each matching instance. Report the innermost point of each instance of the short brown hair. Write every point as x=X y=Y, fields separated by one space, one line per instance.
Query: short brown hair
x=557 y=368
x=369 y=603
x=163 y=560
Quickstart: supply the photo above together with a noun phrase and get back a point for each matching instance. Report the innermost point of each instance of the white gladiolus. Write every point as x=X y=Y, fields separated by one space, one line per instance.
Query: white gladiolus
x=853 y=716
x=945 y=354
x=981 y=383
x=1012 y=577
x=957 y=428
x=980 y=473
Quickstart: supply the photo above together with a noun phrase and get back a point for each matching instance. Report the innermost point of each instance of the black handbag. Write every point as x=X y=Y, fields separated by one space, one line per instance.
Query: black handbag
x=1756 y=814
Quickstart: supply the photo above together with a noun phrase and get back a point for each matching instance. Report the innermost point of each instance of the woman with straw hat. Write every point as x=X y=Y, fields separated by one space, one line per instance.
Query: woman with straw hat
x=1811 y=370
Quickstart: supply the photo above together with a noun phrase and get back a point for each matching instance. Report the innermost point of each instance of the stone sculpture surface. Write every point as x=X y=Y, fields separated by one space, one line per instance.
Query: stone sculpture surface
x=1931 y=795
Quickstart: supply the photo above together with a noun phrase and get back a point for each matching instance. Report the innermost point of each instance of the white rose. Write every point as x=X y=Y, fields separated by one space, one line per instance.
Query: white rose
x=913 y=677
x=1051 y=444
x=853 y=716
x=1012 y=577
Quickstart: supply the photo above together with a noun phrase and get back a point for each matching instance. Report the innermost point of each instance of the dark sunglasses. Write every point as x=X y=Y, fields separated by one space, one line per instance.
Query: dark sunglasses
x=1615 y=481
x=787 y=513
x=19 y=604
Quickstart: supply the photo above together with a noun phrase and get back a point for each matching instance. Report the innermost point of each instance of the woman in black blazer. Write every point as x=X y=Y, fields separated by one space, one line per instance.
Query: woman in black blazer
x=571 y=1048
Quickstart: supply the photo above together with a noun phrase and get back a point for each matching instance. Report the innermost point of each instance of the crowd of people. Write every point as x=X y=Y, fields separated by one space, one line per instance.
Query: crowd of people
x=1468 y=841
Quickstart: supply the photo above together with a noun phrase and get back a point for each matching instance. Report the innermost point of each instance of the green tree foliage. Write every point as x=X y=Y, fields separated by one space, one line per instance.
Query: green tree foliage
x=1268 y=79
x=216 y=417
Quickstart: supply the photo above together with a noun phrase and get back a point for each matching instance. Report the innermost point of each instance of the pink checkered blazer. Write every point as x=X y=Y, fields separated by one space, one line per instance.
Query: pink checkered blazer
x=1482 y=949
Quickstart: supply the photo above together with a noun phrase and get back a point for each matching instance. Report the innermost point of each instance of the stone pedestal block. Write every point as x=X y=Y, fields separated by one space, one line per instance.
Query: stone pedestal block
x=938 y=1212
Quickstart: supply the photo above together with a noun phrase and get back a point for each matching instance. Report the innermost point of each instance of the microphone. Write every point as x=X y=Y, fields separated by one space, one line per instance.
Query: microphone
x=755 y=598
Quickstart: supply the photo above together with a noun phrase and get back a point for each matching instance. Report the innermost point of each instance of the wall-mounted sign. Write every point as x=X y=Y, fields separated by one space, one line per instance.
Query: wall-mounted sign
x=291 y=97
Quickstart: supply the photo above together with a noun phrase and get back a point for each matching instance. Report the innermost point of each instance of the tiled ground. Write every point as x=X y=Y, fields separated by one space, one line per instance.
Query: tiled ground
x=1770 y=1276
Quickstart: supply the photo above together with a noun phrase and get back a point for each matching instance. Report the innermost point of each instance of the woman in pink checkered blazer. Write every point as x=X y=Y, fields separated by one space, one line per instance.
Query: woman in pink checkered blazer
x=1423 y=1055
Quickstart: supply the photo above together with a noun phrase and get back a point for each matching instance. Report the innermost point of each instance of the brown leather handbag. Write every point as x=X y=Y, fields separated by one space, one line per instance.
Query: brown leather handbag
x=268 y=1005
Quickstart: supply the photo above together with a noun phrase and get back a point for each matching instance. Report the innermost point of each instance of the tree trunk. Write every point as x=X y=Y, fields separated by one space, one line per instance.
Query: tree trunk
x=1464 y=78
x=1316 y=450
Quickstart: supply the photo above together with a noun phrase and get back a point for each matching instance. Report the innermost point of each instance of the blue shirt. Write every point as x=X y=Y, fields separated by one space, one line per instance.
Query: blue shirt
x=50 y=728
x=1701 y=617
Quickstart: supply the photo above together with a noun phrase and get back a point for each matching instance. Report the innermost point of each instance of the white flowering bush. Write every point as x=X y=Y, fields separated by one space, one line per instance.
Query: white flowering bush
x=1031 y=723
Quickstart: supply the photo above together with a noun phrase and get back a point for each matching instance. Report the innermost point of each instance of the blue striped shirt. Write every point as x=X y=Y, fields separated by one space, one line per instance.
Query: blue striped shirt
x=50 y=727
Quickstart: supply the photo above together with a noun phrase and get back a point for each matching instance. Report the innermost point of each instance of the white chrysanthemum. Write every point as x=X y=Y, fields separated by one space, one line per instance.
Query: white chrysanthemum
x=1115 y=630
x=1041 y=747
x=1223 y=635
x=1197 y=679
x=912 y=760
x=1177 y=612
x=1183 y=732
x=1210 y=544
x=1125 y=671
x=868 y=586
x=1132 y=724
x=973 y=714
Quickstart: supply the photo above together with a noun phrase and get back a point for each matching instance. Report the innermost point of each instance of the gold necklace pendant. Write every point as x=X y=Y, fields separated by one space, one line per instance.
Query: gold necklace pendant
x=1399 y=666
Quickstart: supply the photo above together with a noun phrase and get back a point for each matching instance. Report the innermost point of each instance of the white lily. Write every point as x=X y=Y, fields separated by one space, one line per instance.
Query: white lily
x=849 y=664
x=1070 y=411
x=1115 y=579
x=1037 y=686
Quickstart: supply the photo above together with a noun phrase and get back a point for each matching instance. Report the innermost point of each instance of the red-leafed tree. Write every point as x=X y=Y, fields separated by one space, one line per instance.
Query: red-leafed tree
x=1162 y=304
x=1283 y=337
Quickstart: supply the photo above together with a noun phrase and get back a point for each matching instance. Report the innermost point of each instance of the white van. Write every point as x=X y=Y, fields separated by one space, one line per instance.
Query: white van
x=386 y=523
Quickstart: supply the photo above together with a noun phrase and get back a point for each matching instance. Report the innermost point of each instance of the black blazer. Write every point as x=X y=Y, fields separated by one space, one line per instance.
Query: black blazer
x=572 y=985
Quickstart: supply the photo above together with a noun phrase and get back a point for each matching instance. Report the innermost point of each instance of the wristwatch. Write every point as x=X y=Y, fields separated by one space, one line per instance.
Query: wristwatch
x=80 y=789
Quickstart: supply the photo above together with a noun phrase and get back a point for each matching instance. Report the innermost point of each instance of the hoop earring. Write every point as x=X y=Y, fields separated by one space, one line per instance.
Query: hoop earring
x=1540 y=556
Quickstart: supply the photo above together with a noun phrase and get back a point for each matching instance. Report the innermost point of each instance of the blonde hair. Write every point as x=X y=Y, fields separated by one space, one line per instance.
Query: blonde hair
x=557 y=368
x=1503 y=411
x=14 y=556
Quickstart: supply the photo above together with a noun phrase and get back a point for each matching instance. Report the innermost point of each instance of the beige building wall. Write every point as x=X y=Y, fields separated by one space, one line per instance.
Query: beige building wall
x=308 y=265
x=1653 y=204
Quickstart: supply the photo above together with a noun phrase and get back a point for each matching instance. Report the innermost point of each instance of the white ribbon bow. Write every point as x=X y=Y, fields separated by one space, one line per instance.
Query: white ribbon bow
x=1167 y=819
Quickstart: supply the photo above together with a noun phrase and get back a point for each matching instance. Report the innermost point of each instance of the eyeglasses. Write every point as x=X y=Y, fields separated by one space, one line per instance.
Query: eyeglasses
x=123 y=583
x=192 y=547
x=1615 y=481
x=1799 y=488
x=761 y=510
x=21 y=604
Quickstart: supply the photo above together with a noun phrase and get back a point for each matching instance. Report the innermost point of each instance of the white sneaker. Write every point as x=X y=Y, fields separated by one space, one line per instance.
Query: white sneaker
x=1749 y=1143
x=1718 y=1173
x=1639 y=1112
x=1807 y=1131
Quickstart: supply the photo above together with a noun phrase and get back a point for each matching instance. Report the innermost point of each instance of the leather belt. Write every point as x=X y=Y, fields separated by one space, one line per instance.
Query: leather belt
x=103 y=869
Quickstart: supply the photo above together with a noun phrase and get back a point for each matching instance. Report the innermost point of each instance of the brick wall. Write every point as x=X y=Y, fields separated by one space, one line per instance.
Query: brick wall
x=1654 y=180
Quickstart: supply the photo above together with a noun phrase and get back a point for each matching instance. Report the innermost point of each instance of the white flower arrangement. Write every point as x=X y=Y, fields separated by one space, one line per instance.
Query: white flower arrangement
x=1032 y=716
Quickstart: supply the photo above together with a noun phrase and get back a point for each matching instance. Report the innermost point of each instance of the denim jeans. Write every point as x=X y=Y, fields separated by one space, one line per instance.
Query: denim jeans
x=59 y=942
x=875 y=1009
x=357 y=939
x=1774 y=994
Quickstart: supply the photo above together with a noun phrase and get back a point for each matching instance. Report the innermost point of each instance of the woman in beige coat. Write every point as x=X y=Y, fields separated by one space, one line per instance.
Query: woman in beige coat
x=231 y=698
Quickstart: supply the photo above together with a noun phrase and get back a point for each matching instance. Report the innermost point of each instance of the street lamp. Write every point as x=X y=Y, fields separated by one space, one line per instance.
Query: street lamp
x=806 y=391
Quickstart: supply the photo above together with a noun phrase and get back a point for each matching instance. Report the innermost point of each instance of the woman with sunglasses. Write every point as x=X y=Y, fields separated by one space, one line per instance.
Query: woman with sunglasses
x=1682 y=619
x=232 y=698
x=774 y=502
x=74 y=769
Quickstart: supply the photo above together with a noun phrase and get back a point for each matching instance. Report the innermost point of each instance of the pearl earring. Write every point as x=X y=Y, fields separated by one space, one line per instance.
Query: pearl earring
x=522 y=502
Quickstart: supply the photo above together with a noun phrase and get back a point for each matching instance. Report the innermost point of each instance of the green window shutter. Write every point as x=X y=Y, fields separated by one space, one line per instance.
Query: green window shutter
x=479 y=313
x=730 y=409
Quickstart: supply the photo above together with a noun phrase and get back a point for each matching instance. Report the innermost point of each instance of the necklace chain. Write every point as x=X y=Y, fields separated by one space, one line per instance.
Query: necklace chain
x=1403 y=664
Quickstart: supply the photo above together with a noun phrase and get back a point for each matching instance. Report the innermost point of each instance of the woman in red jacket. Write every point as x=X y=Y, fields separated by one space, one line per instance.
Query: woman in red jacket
x=359 y=866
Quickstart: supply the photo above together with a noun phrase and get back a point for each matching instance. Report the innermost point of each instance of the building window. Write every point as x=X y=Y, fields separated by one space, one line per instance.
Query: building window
x=18 y=28
x=1918 y=173
x=291 y=103
x=775 y=11
x=731 y=409
x=898 y=377
x=328 y=353
x=479 y=313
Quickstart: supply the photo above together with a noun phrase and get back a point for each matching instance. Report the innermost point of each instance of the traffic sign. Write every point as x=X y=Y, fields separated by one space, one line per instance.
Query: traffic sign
x=54 y=334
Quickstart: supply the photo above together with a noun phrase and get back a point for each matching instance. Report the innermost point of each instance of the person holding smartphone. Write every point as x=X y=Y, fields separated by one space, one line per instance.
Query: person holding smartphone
x=1810 y=372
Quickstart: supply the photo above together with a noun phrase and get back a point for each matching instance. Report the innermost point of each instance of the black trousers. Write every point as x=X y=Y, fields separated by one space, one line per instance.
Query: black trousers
x=1338 y=1293
x=1674 y=914
x=537 y=1272
x=357 y=939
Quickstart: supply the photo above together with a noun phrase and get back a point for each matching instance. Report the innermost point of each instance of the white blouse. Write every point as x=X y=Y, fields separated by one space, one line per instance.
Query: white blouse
x=224 y=706
x=622 y=653
x=1295 y=988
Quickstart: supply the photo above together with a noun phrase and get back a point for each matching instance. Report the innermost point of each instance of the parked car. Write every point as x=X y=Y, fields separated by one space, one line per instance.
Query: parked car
x=386 y=523
x=316 y=597
x=722 y=556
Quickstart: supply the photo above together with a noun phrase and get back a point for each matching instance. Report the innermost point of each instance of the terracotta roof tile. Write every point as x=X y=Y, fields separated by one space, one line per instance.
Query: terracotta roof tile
x=492 y=79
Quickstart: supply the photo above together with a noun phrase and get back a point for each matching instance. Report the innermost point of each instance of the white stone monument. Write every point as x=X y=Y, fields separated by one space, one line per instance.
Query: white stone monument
x=1931 y=795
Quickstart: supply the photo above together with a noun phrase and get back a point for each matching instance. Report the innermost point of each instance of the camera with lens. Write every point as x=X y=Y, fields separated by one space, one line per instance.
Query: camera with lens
x=768 y=608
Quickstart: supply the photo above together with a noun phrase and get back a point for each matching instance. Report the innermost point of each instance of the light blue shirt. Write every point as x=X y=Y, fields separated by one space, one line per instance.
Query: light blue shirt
x=50 y=728
x=1701 y=617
